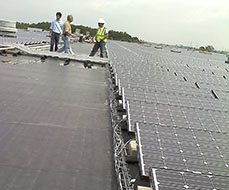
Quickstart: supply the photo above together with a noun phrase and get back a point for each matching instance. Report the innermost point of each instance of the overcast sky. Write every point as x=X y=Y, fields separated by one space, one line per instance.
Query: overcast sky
x=187 y=22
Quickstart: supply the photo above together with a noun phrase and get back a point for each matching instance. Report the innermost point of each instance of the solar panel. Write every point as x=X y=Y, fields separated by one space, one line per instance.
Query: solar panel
x=162 y=179
x=182 y=149
x=25 y=36
x=177 y=105
x=175 y=115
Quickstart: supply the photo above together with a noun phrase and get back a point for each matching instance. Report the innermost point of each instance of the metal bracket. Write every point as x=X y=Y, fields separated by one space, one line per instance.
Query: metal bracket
x=128 y=116
x=140 y=150
x=123 y=99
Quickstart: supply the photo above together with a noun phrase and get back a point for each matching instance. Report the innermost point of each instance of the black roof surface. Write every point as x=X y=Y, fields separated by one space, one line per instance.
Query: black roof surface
x=55 y=130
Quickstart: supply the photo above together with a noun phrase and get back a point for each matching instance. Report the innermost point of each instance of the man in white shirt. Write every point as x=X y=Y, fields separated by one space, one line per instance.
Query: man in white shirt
x=55 y=31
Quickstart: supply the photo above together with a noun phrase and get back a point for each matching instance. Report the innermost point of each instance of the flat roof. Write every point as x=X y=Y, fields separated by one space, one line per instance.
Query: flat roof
x=55 y=129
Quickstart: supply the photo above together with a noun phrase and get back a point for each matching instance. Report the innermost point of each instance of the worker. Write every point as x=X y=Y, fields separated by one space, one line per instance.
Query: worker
x=101 y=39
x=67 y=33
x=55 y=31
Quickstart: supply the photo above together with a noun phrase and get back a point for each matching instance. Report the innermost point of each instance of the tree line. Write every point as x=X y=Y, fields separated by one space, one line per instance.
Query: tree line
x=208 y=48
x=113 y=35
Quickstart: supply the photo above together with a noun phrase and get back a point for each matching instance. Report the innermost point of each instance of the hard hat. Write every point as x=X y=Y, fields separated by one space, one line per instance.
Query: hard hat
x=101 y=20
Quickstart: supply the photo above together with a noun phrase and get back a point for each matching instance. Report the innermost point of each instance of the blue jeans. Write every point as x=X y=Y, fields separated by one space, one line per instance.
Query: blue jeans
x=66 y=46
x=54 y=41
x=98 y=45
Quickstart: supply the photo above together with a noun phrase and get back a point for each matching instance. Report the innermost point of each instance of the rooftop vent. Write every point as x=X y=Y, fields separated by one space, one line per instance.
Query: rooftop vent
x=214 y=94
x=175 y=51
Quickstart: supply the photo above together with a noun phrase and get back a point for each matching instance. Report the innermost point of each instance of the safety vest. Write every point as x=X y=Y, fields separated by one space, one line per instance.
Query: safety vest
x=100 y=34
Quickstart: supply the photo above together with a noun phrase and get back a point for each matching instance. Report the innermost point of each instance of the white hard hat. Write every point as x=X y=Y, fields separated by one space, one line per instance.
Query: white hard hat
x=101 y=20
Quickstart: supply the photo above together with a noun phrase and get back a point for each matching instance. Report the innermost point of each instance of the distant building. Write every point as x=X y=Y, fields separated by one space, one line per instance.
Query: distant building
x=35 y=29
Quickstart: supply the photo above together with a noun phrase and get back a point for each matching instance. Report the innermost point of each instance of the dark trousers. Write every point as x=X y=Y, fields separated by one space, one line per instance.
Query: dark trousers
x=55 y=37
x=98 y=45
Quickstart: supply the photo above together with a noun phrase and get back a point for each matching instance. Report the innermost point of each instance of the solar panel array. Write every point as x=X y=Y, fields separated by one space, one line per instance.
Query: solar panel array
x=177 y=180
x=179 y=103
x=26 y=37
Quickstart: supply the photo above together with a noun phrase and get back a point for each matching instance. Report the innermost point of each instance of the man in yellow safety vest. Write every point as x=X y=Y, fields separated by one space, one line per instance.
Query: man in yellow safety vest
x=101 y=39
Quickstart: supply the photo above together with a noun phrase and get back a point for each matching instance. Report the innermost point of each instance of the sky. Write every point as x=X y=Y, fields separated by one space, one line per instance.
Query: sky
x=187 y=22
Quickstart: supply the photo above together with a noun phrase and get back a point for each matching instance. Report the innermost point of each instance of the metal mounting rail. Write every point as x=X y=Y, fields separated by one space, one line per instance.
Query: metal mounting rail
x=121 y=167
x=129 y=127
x=140 y=150
x=79 y=58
